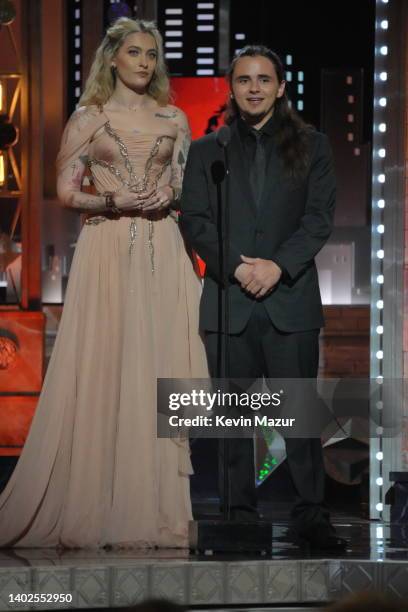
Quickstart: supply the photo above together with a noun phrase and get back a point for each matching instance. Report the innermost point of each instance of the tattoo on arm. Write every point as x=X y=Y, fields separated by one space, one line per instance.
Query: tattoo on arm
x=78 y=171
x=76 y=183
x=185 y=145
x=83 y=202
x=182 y=155
x=76 y=179
x=88 y=202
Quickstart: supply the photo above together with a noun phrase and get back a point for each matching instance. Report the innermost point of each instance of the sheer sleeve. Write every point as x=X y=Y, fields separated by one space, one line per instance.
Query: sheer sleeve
x=180 y=151
x=72 y=160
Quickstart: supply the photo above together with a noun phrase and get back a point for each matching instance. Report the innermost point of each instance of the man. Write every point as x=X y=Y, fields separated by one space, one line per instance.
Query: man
x=282 y=196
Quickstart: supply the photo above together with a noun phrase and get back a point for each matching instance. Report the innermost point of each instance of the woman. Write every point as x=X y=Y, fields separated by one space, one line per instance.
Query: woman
x=92 y=472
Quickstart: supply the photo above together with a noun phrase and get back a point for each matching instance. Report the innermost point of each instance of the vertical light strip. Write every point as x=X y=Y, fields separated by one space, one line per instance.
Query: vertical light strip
x=2 y=169
x=206 y=17
x=240 y=36
x=378 y=229
x=298 y=90
x=174 y=23
x=298 y=79
x=78 y=51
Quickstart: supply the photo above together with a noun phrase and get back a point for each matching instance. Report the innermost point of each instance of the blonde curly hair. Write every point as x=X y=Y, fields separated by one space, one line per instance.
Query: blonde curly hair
x=101 y=80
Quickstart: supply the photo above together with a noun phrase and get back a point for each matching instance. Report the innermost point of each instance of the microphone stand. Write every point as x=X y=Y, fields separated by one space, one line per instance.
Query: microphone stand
x=226 y=328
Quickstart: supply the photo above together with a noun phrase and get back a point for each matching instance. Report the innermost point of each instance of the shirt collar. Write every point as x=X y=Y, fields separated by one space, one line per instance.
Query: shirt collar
x=269 y=128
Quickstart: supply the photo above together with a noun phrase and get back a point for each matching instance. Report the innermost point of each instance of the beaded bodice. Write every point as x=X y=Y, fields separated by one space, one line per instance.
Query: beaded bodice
x=129 y=159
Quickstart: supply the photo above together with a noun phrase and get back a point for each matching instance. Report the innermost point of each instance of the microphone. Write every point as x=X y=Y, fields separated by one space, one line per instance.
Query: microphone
x=223 y=136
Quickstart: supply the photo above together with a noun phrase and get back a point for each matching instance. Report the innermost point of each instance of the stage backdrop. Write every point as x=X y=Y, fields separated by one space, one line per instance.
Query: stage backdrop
x=203 y=100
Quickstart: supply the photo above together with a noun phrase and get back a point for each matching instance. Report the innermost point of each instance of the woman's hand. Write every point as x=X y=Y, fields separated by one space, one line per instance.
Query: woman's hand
x=129 y=200
x=159 y=200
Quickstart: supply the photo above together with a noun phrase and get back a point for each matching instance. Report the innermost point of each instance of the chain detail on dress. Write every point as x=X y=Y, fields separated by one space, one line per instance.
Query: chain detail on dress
x=151 y=245
x=110 y=167
x=133 y=183
x=133 y=235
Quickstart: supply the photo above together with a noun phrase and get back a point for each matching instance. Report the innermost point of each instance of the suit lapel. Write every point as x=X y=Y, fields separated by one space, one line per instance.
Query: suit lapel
x=239 y=171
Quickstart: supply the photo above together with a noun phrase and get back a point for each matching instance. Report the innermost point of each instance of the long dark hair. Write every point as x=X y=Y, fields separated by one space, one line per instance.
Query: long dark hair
x=292 y=133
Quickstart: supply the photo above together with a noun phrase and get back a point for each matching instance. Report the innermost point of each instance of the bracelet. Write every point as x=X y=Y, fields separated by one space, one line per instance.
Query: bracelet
x=110 y=202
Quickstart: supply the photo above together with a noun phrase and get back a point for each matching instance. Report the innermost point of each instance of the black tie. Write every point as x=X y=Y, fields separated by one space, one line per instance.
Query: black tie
x=257 y=173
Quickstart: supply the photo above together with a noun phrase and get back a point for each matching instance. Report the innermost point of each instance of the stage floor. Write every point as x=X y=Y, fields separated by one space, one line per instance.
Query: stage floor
x=377 y=558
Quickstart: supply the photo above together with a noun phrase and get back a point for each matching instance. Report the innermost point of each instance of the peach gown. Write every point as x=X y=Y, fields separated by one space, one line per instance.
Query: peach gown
x=92 y=471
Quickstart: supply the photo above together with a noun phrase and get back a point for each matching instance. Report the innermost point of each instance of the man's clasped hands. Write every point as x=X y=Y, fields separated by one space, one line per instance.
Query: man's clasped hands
x=257 y=276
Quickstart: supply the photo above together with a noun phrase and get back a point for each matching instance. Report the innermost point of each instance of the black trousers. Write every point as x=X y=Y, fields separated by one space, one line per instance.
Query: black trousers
x=262 y=350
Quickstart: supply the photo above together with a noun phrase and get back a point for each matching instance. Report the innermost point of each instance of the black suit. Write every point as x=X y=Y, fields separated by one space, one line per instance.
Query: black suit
x=277 y=336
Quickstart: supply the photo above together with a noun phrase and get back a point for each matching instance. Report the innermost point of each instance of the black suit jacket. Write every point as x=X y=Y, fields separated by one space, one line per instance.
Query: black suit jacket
x=291 y=225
